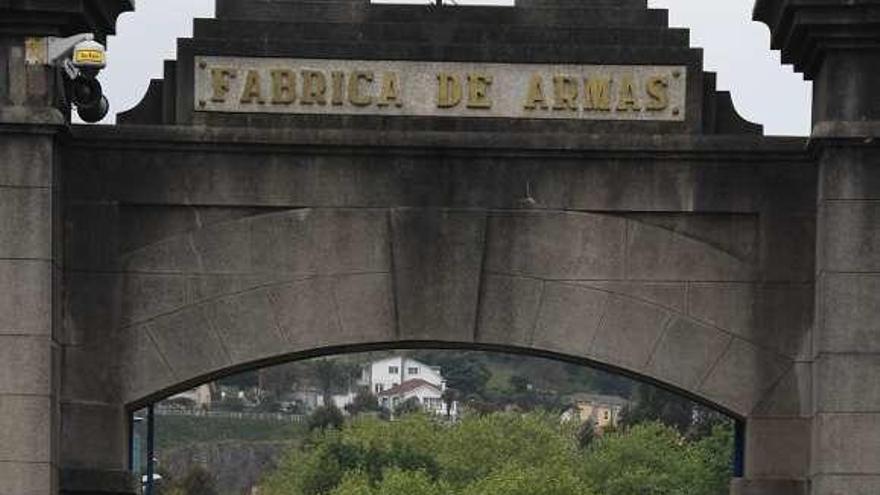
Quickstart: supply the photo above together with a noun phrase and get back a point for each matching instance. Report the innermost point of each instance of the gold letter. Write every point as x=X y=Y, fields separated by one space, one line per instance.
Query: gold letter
x=252 y=88
x=565 y=93
x=628 y=100
x=220 y=83
x=478 y=91
x=448 y=90
x=337 y=96
x=389 y=92
x=658 y=92
x=597 y=93
x=535 y=96
x=283 y=87
x=354 y=93
x=314 y=88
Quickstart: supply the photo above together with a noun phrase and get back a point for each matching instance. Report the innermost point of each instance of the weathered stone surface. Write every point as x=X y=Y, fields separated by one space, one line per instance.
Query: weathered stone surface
x=171 y=255
x=146 y=296
x=566 y=246
x=25 y=365
x=670 y=295
x=778 y=447
x=508 y=309
x=306 y=311
x=25 y=223
x=847 y=245
x=365 y=305
x=628 y=333
x=569 y=317
x=246 y=325
x=848 y=484
x=26 y=428
x=438 y=257
x=144 y=370
x=188 y=343
x=792 y=396
x=742 y=375
x=27 y=478
x=655 y=253
x=94 y=436
x=774 y=316
x=850 y=312
x=846 y=443
x=24 y=160
x=25 y=297
x=847 y=383
x=223 y=248
x=686 y=352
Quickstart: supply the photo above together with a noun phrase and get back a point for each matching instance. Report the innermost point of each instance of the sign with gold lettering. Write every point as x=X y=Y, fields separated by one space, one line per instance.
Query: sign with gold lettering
x=454 y=89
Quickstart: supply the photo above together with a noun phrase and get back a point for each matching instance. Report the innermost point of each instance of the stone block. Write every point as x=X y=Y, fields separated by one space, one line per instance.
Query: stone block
x=847 y=444
x=655 y=253
x=224 y=247
x=144 y=370
x=89 y=237
x=742 y=376
x=25 y=297
x=850 y=313
x=188 y=343
x=246 y=325
x=147 y=296
x=306 y=311
x=204 y=287
x=686 y=352
x=556 y=245
x=26 y=160
x=847 y=383
x=25 y=365
x=787 y=246
x=629 y=332
x=94 y=436
x=321 y=241
x=792 y=396
x=438 y=258
x=668 y=295
x=508 y=309
x=25 y=223
x=778 y=317
x=778 y=448
x=853 y=175
x=26 y=428
x=366 y=309
x=569 y=317
x=27 y=478
x=92 y=373
x=842 y=484
x=92 y=306
x=849 y=237
x=742 y=486
x=172 y=255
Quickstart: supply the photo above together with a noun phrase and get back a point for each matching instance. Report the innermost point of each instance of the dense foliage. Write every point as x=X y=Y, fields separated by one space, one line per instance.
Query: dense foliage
x=501 y=453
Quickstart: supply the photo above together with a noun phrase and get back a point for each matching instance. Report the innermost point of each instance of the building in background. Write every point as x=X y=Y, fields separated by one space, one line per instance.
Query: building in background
x=603 y=410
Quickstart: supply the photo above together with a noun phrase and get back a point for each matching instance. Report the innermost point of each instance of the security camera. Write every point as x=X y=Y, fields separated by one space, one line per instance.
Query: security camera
x=81 y=58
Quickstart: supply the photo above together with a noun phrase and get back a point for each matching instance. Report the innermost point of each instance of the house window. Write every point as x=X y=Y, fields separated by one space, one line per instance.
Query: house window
x=378 y=387
x=606 y=414
x=393 y=370
x=412 y=371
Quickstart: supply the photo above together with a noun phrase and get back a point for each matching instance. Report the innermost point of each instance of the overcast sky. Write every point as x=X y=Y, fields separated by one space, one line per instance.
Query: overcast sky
x=735 y=47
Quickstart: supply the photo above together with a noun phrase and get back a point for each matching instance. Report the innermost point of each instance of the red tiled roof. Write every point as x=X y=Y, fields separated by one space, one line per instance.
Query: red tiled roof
x=408 y=386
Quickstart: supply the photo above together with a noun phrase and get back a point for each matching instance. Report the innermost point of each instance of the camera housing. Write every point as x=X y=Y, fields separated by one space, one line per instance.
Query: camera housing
x=81 y=58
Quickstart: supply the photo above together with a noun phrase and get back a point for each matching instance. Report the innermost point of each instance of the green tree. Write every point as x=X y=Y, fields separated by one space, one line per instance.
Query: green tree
x=326 y=417
x=409 y=406
x=363 y=402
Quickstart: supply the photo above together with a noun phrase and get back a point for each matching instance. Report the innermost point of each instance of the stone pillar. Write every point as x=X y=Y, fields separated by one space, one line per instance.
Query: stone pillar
x=835 y=45
x=32 y=119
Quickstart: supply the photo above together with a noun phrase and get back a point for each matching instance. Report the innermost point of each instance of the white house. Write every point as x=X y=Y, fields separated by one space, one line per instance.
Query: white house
x=383 y=374
x=396 y=379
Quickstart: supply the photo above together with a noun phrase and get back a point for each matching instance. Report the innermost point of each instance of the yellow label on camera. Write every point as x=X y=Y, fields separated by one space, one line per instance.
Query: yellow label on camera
x=89 y=57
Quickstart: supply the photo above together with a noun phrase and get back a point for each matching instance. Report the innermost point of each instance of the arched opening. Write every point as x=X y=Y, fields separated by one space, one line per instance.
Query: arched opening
x=246 y=429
